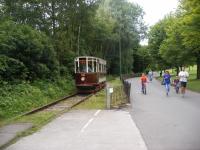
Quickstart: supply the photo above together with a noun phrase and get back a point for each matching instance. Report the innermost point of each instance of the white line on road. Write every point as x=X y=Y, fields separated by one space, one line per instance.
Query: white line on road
x=86 y=125
x=97 y=112
x=90 y=121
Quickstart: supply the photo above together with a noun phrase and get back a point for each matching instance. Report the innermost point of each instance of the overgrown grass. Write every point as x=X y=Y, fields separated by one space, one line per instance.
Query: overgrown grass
x=109 y=78
x=115 y=82
x=98 y=101
x=193 y=83
x=17 y=99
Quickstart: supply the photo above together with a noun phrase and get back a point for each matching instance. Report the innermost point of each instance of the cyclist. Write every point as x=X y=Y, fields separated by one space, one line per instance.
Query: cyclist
x=143 y=80
x=166 y=78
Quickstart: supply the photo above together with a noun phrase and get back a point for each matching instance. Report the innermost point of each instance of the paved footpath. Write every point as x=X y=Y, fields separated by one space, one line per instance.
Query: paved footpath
x=166 y=123
x=86 y=130
x=9 y=132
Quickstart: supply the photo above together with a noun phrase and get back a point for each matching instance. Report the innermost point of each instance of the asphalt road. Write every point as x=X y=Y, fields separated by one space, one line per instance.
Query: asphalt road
x=166 y=123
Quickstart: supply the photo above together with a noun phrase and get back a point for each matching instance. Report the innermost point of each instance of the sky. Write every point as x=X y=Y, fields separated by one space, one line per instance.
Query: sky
x=155 y=10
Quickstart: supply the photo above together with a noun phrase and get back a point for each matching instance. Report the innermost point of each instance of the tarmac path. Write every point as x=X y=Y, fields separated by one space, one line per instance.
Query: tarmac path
x=166 y=123
x=86 y=130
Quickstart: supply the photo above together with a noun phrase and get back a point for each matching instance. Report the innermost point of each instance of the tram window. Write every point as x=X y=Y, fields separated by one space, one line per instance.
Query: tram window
x=95 y=66
x=89 y=66
x=77 y=68
x=99 y=67
x=82 y=66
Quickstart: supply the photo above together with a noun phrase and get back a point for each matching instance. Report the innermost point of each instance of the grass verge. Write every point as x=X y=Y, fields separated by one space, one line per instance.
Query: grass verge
x=193 y=83
x=17 y=99
x=98 y=101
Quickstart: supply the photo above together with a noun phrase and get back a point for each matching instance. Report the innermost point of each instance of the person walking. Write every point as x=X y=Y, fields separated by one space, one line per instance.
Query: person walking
x=166 y=79
x=183 y=75
x=176 y=84
x=150 y=75
x=143 y=80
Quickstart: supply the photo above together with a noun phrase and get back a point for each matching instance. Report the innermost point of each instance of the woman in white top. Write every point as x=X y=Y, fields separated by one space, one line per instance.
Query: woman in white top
x=183 y=75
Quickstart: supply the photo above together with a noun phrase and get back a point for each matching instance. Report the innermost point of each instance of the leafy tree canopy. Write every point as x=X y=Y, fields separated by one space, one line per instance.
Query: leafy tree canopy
x=30 y=47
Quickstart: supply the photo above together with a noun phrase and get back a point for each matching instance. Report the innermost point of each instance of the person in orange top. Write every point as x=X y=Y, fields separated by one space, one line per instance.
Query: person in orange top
x=143 y=80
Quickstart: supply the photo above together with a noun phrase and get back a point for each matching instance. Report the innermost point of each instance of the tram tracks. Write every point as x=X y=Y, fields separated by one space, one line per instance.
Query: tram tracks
x=41 y=116
x=62 y=104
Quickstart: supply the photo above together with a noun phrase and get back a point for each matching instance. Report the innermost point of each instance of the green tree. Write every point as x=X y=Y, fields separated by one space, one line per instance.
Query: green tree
x=172 y=49
x=96 y=27
x=12 y=69
x=143 y=60
x=156 y=36
x=122 y=26
x=30 y=47
x=191 y=29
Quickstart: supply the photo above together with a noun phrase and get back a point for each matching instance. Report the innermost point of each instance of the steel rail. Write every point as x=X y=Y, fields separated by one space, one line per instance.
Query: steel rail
x=49 y=104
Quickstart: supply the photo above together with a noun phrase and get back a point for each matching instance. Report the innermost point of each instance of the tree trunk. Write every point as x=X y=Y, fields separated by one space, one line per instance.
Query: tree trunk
x=177 y=70
x=198 y=67
x=181 y=68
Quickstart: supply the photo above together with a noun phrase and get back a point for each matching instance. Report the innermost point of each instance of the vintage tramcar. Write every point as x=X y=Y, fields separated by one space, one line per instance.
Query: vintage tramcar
x=90 y=74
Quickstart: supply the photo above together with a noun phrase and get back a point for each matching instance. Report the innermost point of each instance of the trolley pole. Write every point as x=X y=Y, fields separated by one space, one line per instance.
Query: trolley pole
x=120 y=54
x=78 y=42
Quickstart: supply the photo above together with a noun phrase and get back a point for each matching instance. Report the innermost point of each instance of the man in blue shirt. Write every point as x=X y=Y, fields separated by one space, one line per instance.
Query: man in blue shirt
x=166 y=78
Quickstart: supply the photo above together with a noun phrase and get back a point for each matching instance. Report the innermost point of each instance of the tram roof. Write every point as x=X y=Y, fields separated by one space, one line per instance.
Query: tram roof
x=102 y=60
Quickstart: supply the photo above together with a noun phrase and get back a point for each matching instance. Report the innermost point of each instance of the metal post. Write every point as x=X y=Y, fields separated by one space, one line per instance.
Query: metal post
x=107 y=97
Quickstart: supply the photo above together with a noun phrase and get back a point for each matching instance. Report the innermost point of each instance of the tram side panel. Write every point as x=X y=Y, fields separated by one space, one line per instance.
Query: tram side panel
x=90 y=82
x=86 y=82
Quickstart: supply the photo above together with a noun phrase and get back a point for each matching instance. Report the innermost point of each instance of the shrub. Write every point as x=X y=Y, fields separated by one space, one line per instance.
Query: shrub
x=12 y=69
x=29 y=46
x=18 y=98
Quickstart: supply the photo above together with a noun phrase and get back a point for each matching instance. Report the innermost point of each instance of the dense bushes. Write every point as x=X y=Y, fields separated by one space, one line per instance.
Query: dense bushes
x=29 y=48
x=12 y=69
x=16 y=99
x=30 y=75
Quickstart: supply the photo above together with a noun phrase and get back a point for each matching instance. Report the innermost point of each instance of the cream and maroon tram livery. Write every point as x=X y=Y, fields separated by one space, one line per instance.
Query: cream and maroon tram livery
x=90 y=73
